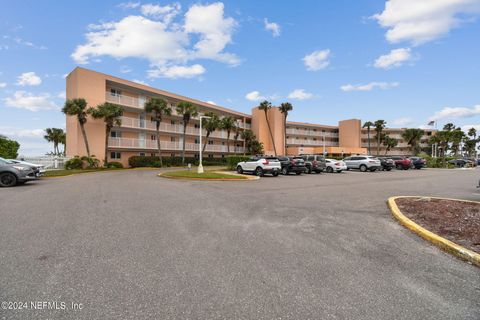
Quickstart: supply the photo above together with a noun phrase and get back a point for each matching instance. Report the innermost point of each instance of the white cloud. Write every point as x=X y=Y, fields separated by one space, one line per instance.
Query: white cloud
x=16 y=132
x=467 y=127
x=272 y=27
x=394 y=58
x=300 y=94
x=254 y=96
x=175 y=72
x=164 y=13
x=317 y=60
x=129 y=5
x=3 y=84
x=62 y=95
x=167 y=46
x=140 y=82
x=125 y=69
x=369 y=86
x=29 y=79
x=211 y=102
x=419 y=22
x=458 y=112
x=28 y=101
x=402 y=122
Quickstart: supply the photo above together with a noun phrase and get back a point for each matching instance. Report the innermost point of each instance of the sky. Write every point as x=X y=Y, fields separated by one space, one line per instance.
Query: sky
x=405 y=61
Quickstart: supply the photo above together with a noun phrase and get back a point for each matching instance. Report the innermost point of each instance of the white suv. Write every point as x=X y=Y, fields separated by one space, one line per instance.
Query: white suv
x=260 y=165
x=363 y=163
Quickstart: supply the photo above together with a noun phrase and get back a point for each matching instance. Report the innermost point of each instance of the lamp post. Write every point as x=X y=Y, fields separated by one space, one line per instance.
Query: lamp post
x=324 y=150
x=200 y=166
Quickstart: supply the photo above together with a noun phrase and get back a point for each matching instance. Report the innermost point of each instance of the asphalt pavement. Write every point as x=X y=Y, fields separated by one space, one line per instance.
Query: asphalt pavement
x=131 y=245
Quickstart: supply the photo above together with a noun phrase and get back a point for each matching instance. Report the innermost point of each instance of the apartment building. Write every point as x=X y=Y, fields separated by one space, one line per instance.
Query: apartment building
x=137 y=136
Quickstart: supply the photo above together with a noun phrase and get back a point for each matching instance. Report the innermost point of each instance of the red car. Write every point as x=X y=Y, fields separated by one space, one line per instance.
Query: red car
x=402 y=163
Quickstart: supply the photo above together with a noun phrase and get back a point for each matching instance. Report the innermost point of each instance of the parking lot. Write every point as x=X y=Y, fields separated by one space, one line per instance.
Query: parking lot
x=131 y=245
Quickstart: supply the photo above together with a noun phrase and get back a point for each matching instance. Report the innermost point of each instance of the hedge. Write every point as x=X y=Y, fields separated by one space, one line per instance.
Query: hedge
x=154 y=161
x=233 y=160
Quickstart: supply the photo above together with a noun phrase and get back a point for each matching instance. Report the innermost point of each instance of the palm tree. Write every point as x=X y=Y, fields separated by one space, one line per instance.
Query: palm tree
x=368 y=125
x=56 y=136
x=412 y=137
x=110 y=113
x=187 y=110
x=389 y=143
x=236 y=132
x=284 y=109
x=63 y=140
x=78 y=108
x=158 y=107
x=248 y=136
x=379 y=126
x=472 y=132
x=228 y=124
x=210 y=124
x=265 y=106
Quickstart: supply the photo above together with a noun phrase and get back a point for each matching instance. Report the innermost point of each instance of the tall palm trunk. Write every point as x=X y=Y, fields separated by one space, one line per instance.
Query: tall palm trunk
x=270 y=131
x=206 y=140
x=378 y=143
x=107 y=135
x=285 y=134
x=159 y=147
x=84 y=133
x=228 y=141
x=183 y=144
x=368 y=138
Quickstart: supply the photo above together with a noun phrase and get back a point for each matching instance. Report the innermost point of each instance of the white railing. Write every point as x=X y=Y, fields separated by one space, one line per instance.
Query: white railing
x=311 y=133
x=166 y=145
x=317 y=143
x=49 y=162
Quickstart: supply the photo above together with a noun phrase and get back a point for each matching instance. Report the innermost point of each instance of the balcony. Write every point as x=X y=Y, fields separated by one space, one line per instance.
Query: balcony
x=315 y=143
x=303 y=132
x=128 y=122
x=130 y=143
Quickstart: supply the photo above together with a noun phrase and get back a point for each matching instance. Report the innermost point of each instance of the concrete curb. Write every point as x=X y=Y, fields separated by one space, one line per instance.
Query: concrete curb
x=441 y=242
x=162 y=175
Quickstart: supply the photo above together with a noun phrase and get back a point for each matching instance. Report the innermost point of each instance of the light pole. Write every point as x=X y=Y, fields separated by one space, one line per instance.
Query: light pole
x=324 y=150
x=200 y=166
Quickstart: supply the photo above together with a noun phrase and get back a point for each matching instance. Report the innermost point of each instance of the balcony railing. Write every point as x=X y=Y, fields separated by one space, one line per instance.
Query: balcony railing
x=128 y=122
x=311 y=133
x=131 y=143
x=316 y=143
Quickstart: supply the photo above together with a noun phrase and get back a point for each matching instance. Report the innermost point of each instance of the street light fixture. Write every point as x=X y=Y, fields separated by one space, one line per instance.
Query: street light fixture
x=200 y=166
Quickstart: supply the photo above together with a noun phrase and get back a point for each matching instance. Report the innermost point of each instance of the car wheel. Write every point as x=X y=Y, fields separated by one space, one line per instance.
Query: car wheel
x=339 y=171
x=389 y=169
x=373 y=170
x=8 y=179
x=298 y=173
x=406 y=168
x=239 y=170
x=399 y=167
x=329 y=169
x=284 y=171
x=259 y=172
x=275 y=173
x=363 y=168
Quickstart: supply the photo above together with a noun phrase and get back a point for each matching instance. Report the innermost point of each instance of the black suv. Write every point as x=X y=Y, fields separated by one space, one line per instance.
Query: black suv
x=292 y=164
x=418 y=163
x=314 y=163
x=387 y=163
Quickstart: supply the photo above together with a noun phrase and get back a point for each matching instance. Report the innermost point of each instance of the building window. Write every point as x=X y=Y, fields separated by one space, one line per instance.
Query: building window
x=153 y=137
x=115 y=155
x=223 y=156
x=172 y=139
x=197 y=126
x=141 y=154
x=172 y=122
x=196 y=141
x=172 y=155
x=196 y=155
x=115 y=92
x=210 y=141
x=210 y=156
x=223 y=143
x=153 y=154
x=115 y=134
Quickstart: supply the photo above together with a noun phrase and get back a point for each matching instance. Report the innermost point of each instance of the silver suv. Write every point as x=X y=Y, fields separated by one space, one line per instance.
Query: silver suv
x=363 y=163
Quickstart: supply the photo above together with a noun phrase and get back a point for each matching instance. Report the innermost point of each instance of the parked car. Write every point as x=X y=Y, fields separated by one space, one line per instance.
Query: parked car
x=335 y=165
x=460 y=163
x=37 y=167
x=260 y=165
x=363 y=163
x=292 y=164
x=387 y=163
x=12 y=174
x=314 y=163
x=418 y=163
x=402 y=163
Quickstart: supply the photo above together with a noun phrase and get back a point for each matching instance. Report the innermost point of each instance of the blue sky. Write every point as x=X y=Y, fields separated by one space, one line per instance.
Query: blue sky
x=405 y=61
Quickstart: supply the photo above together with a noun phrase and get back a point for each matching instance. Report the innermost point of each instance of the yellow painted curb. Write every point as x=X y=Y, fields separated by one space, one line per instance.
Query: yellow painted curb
x=441 y=242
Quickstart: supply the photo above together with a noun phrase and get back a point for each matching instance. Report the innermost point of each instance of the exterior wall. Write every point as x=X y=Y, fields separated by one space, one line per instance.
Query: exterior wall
x=350 y=133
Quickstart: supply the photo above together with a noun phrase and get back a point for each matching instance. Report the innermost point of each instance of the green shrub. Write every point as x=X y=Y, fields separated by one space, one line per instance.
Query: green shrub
x=233 y=160
x=115 y=164
x=74 y=163
x=149 y=161
x=142 y=161
x=90 y=162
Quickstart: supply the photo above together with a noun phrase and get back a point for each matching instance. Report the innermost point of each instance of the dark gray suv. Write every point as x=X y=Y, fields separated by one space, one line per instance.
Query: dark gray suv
x=12 y=174
x=314 y=163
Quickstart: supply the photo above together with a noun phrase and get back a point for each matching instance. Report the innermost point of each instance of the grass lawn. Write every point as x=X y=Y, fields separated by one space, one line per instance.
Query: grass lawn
x=206 y=175
x=60 y=173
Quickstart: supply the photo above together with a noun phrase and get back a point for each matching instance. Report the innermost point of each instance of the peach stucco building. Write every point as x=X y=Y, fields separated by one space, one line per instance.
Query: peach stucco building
x=136 y=135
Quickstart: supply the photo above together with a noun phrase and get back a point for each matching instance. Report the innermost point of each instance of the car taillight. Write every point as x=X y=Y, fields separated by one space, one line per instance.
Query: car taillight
x=315 y=162
x=337 y=163
x=265 y=162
